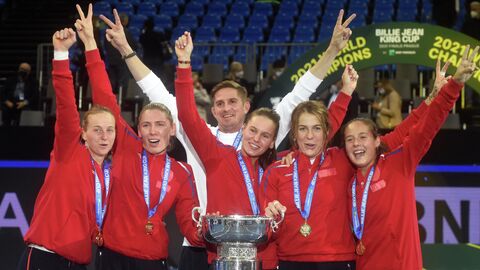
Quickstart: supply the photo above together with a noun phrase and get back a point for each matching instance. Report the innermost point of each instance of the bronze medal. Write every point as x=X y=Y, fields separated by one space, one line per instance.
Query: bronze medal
x=305 y=229
x=149 y=228
x=99 y=239
x=360 y=248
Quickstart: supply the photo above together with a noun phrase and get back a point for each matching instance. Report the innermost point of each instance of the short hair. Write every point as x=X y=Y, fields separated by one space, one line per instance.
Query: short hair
x=242 y=92
x=314 y=107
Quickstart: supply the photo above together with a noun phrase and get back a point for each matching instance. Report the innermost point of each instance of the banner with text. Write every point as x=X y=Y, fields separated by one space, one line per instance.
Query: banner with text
x=380 y=44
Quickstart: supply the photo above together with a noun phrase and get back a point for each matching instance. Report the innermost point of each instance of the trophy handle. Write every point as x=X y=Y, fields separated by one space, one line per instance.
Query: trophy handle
x=274 y=224
x=199 y=220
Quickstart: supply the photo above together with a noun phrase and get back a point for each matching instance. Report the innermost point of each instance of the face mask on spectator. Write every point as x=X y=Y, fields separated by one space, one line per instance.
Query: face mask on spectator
x=278 y=72
x=239 y=74
x=333 y=89
x=381 y=91
x=474 y=14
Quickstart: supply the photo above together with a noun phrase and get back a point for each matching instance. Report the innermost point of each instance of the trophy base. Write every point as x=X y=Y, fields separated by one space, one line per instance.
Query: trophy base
x=232 y=264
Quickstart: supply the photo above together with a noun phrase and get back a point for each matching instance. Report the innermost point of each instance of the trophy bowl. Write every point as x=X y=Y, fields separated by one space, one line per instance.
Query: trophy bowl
x=235 y=228
x=236 y=238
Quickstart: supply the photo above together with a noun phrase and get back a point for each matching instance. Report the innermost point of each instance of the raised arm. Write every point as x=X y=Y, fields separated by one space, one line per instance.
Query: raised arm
x=150 y=84
x=336 y=112
x=101 y=88
x=196 y=130
x=421 y=135
x=67 y=125
x=309 y=82
x=395 y=138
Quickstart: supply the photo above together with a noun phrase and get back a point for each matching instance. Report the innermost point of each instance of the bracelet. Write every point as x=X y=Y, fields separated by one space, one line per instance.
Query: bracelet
x=129 y=55
x=183 y=62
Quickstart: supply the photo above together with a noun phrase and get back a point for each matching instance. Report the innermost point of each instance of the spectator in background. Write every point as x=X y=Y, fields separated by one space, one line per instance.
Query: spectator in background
x=471 y=26
x=20 y=93
x=236 y=73
x=444 y=12
x=388 y=106
x=202 y=98
x=156 y=49
x=117 y=69
x=277 y=69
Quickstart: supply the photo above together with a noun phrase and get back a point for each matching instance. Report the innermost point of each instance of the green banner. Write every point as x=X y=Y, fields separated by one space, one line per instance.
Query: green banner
x=380 y=44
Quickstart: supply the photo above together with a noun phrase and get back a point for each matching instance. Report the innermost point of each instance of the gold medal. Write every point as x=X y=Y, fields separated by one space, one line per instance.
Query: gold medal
x=149 y=228
x=99 y=239
x=360 y=248
x=305 y=229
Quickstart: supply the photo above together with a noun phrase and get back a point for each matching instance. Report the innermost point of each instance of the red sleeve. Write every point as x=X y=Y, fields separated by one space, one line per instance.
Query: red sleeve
x=67 y=125
x=420 y=138
x=337 y=112
x=202 y=139
x=395 y=138
x=102 y=95
x=268 y=192
x=186 y=200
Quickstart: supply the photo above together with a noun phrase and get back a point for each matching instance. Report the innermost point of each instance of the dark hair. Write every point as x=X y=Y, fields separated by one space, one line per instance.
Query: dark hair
x=315 y=108
x=159 y=107
x=372 y=127
x=270 y=155
x=242 y=92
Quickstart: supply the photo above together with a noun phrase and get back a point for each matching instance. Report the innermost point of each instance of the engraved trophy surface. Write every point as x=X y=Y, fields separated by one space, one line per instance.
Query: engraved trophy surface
x=236 y=238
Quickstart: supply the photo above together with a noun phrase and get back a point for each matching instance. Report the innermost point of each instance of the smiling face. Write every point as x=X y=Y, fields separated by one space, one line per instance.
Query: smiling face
x=229 y=109
x=258 y=136
x=310 y=135
x=155 y=129
x=309 y=127
x=361 y=145
x=99 y=134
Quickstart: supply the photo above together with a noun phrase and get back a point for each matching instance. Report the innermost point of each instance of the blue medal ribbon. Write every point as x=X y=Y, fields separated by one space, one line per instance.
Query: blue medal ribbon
x=358 y=225
x=248 y=183
x=100 y=206
x=311 y=188
x=237 y=140
x=146 y=182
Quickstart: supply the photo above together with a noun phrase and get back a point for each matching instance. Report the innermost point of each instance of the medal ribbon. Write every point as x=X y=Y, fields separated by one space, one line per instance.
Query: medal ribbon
x=100 y=206
x=237 y=140
x=311 y=188
x=146 y=182
x=358 y=225
x=248 y=183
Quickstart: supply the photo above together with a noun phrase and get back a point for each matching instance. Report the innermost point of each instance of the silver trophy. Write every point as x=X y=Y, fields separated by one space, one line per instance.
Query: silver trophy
x=236 y=238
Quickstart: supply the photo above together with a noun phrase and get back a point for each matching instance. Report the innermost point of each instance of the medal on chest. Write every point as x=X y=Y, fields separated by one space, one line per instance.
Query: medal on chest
x=359 y=222
x=360 y=248
x=100 y=204
x=146 y=189
x=99 y=239
x=305 y=229
x=149 y=228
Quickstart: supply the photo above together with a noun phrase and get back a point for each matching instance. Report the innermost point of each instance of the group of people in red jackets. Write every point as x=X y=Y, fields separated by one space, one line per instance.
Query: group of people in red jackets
x=345 y=208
